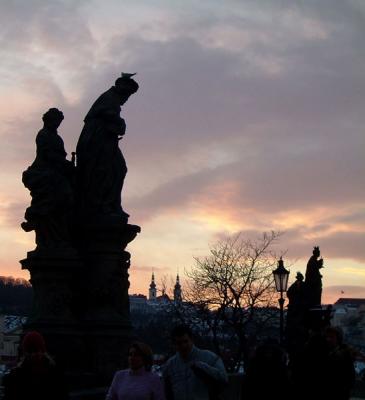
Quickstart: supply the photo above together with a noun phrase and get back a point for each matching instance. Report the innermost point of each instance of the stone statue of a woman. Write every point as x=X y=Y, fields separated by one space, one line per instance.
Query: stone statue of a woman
x=49 y=180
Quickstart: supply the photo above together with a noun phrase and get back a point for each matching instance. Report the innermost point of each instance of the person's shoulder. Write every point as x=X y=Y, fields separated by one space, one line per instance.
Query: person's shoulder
x=171 y=360
x=207 y=355
x=121 y=374
x=153 y=376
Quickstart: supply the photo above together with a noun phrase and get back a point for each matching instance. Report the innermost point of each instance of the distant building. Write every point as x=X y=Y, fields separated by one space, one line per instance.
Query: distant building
x=177 y=290
x=137 y=302
x=349 y=315
x=11 y=330
x=163 y=299
x=140 y=303
x=349 y=302
x=152 y=292
x=344 y=308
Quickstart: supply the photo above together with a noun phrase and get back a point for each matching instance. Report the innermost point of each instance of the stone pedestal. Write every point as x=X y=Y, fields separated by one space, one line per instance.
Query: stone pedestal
x=103 y=304
x=53 y=275
x=81 y=303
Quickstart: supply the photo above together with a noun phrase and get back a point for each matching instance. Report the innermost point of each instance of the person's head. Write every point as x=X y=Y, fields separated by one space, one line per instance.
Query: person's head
x=52 y=118
x=33 y=353
x=270 y=353
x=182 y=338
x=125 y=87
x=140 y=355
x=33 y=343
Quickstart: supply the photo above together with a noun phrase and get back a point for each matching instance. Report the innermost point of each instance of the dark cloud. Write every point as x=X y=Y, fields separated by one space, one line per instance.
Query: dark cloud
x=279 y=182
x=297 y=245
x=38 y=28
x=338 y=245
x=345 y=245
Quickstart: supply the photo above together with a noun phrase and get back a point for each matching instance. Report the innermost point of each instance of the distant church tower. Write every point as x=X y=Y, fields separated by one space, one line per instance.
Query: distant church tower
x=177 y=290
x=152 y=291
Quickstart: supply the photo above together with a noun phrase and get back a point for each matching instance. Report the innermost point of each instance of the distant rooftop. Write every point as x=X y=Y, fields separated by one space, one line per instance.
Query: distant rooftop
x=350 y=302
x=141 y=296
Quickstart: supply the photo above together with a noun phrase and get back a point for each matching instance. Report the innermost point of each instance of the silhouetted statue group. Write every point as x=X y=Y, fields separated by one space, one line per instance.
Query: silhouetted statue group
x=305 y=312
x=307 y=294
x=64 y=191
x=79 y=269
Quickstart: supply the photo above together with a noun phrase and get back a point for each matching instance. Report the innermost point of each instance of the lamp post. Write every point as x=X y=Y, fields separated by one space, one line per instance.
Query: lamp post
x=281 y=276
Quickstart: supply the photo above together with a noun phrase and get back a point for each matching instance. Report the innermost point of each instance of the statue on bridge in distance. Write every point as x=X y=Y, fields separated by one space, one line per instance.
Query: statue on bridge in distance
x=305 y=312
x=313 y=279
x=101 y=167
x=297 y=295
x=49 y=180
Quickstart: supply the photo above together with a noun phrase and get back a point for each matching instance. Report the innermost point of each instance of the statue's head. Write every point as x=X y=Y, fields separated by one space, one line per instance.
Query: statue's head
x=52 y=118
x=126 y=86
x=299 y=277
x=316 y=251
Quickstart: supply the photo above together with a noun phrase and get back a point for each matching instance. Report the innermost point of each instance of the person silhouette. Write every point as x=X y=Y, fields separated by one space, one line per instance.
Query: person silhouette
x=137 y=382
x=37 y=375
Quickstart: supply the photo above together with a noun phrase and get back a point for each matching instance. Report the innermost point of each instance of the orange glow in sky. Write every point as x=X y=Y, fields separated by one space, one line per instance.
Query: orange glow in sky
x=249 y=118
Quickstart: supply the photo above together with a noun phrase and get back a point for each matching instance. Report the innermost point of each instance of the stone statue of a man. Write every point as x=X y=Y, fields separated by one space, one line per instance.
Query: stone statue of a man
x=101 y=167
x=313 y=279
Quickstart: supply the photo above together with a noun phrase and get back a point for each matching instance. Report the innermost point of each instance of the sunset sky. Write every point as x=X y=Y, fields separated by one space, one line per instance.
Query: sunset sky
x=250 y=117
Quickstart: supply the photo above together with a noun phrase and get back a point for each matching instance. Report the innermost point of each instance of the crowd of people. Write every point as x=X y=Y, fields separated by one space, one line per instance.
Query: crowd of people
x=324 y=369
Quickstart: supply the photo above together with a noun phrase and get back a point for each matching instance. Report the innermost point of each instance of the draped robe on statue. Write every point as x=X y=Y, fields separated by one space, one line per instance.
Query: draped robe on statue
x=49 y=181
x=101 y=167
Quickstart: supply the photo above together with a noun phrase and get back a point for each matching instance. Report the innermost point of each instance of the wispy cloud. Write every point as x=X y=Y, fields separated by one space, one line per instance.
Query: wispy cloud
x=249 y=117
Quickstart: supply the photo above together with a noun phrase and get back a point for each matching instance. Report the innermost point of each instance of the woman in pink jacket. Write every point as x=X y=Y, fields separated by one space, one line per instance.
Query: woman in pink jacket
x=137 y=382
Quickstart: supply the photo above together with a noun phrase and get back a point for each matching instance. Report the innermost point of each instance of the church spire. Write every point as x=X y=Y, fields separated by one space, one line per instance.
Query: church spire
x=152 y=293
x=177 y=290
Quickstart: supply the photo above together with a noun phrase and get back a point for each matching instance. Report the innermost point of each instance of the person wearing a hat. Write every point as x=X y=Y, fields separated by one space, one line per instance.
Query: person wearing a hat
x=36 y=376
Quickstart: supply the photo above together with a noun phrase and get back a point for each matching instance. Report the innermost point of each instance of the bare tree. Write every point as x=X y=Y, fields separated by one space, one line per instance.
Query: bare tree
x=165 y=285
x=233 y=284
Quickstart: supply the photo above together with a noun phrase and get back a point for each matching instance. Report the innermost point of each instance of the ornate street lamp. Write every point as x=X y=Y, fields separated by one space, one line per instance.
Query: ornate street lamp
x=281 y=276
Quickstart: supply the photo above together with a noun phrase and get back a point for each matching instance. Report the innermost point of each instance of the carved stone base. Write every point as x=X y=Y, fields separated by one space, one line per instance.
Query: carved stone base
x=103 y=307
x=52 y=275
x=81 y=301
